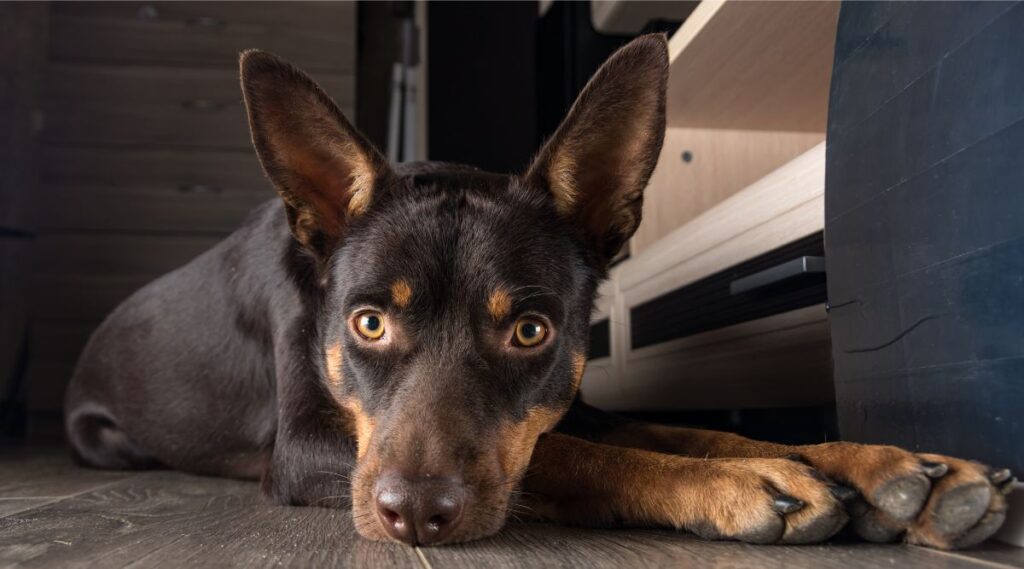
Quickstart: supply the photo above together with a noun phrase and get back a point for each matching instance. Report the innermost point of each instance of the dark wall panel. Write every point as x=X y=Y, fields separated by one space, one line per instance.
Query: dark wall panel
x=481 y=105
x=923 y=232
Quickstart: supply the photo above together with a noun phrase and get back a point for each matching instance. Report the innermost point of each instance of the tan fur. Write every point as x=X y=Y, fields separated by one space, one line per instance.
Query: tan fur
x=574 y=481
x=499 y=304
x=363 y=177
x=362 y=424
x=579 y=365
x=562 y=176
x=401 y=293
x=333 y=364
x=516 y=440
x=866 y=468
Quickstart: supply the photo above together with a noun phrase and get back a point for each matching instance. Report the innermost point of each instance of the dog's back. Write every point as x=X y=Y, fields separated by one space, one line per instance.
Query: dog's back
x=182 y=350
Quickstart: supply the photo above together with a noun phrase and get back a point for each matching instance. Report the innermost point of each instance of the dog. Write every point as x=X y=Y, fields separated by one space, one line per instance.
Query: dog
x=408 y=341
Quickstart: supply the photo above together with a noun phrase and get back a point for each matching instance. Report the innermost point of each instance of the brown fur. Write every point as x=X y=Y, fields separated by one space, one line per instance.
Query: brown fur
x=579 y=365
x=401 y=293
x=499 y=304
x=362 y=425
x=516 y=440
x=870 y=469
x=599 y=160
x=323 y=168
x=333 y=364
x=574 y=481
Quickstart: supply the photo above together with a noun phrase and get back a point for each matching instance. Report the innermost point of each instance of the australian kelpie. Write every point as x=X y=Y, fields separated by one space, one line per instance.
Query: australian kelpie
x=407 y=340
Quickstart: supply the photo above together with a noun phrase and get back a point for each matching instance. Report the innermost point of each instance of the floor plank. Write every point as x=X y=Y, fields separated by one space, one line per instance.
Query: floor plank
x=10 y=506
x=266 y=536
x=49 y=472
x=162 y=518
x=540 y=545
x=57 y=515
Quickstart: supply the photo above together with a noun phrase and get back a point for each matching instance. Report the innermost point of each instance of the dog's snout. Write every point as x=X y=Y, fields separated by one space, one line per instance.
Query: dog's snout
x=419 y=511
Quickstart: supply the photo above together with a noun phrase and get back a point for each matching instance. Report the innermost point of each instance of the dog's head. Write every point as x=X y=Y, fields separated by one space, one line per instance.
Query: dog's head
x=453 y=324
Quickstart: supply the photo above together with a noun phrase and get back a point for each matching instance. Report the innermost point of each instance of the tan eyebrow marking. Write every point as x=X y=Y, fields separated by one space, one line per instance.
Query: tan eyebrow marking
x=579 y=365
x=499 y=304
x=401 y=293
x=334 y=364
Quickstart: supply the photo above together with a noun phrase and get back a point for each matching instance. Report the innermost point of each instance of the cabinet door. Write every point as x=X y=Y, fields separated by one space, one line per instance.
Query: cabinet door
x=923 y=227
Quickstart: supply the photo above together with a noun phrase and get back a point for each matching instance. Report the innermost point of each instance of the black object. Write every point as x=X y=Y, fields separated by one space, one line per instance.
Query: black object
x=481 y=103
x=924 y=232
x=798 y=267
x=600 y=340
x=710 y=303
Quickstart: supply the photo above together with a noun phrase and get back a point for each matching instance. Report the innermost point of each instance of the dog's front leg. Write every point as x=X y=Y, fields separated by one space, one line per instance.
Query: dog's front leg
x=927 y=499
x=574 y=481
x=314 y=451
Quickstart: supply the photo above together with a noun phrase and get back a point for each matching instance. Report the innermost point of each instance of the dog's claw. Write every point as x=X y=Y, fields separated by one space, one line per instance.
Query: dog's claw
x=843 y=493
x=1000 y=476
x=934 y=469
x=787 y=504
x=1007 y=486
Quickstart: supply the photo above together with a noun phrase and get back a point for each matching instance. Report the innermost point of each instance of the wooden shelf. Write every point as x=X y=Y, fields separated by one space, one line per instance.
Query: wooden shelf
x=712 y=369
x=753 y=66
x=741 y=173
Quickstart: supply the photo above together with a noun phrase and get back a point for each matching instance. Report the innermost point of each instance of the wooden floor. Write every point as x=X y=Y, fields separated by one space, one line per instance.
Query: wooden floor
x=53 y=514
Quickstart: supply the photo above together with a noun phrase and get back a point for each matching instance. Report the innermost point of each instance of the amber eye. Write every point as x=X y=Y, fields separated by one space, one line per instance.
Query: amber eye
x=530 y=332
x=370 y=325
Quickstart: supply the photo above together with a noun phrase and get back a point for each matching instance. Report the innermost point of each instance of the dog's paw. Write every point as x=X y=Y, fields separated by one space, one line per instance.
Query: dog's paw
x=924 y=499
x=764 y=501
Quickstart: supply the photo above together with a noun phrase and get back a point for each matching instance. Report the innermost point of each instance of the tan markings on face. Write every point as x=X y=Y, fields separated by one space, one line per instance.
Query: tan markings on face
x=401 y=293
x=334 y=364
x=579 y=364
x=499 y=304
x=362 y=424
x=516 y=440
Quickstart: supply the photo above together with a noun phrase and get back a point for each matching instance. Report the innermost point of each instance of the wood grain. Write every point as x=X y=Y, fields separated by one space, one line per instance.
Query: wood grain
x=162 y=518
x=167 y=518
x=49 y=473
x=722 y=162
x=10 y=506
x=116 y=84
x=112 y=254
x=152 y=168
x=153 y=209
x=538 y=545
x=87 y=298
x=753 y=66
x=197 y=36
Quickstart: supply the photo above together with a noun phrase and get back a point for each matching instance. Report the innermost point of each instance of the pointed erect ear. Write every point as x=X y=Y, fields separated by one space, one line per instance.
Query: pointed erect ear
x=599 y=160
x=323 y=168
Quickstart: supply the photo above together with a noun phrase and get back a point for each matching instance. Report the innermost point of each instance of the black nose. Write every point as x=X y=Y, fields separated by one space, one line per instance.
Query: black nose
x=419 y=511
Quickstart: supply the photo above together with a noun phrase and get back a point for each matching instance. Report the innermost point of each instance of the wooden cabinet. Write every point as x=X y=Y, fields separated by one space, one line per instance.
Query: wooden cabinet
x=739 y=186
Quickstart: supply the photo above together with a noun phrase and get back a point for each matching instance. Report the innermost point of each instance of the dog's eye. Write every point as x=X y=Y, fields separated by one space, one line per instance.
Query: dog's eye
x=370 y=325
x=530 y=332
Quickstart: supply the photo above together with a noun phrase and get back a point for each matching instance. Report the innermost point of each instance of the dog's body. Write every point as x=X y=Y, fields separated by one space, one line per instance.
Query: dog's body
x=421 y=330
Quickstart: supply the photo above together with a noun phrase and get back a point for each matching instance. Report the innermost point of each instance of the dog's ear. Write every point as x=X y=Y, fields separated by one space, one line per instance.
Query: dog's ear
x=323 y=168
x=597 y=163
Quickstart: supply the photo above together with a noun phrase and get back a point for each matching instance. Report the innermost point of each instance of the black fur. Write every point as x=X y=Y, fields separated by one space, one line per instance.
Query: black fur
x=221 y=367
